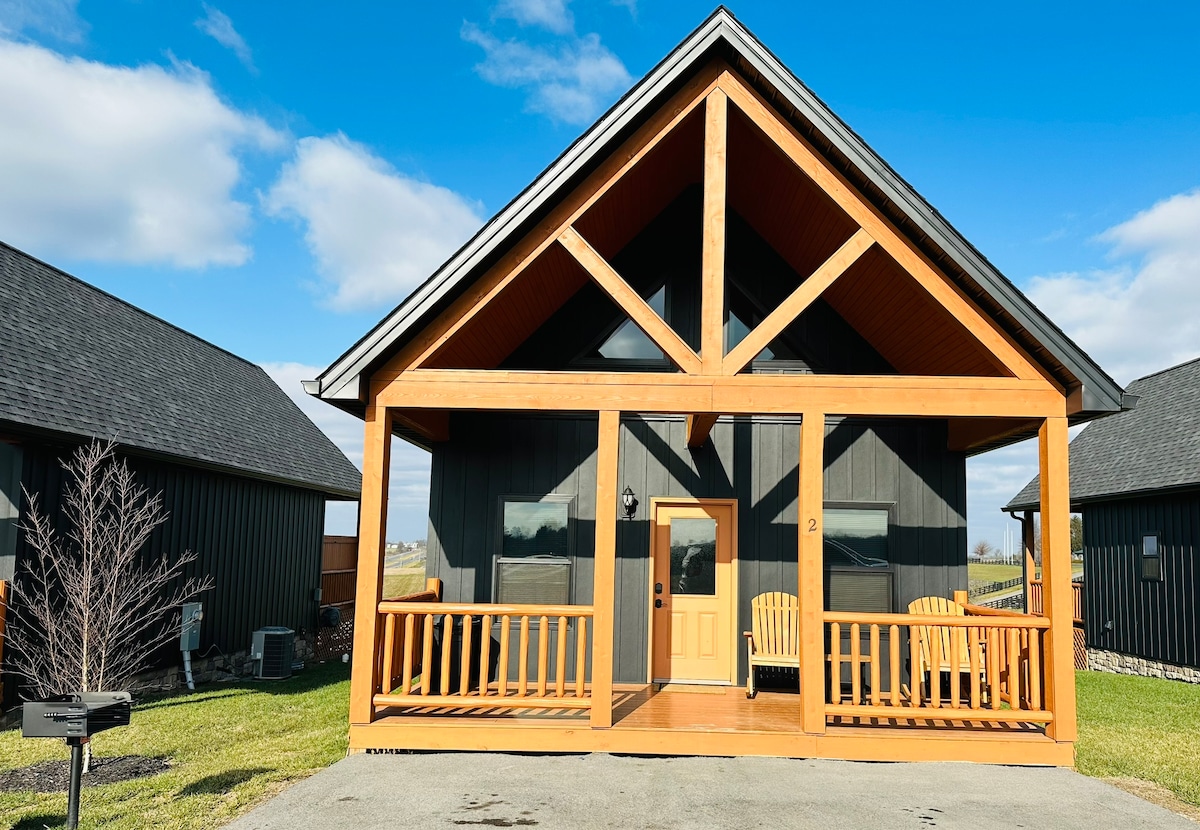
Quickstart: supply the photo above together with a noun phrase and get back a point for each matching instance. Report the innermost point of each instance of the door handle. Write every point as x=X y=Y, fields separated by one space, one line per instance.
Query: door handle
x=658 y=603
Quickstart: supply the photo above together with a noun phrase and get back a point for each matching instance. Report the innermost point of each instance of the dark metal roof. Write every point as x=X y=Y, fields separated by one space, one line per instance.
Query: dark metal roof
x=76 y=361
x=722 y=35
x=1153 y=447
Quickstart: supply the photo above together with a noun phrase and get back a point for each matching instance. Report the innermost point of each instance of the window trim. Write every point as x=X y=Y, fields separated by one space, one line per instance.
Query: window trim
x=498 y=549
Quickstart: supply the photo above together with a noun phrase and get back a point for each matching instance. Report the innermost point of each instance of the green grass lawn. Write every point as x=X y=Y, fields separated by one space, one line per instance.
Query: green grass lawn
x=1140 y=727
x=989 y=572
x=403 y=581
x=230 y=746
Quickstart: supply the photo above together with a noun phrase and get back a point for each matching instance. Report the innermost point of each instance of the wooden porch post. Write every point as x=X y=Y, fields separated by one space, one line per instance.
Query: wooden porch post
x=811 y=588
x=1058 y=603
x=605 y=570
x=372 y=533
x=1027 y=546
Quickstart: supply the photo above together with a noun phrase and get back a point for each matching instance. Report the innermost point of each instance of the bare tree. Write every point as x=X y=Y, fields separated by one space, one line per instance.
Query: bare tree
x=90 y=609
x=982 y=549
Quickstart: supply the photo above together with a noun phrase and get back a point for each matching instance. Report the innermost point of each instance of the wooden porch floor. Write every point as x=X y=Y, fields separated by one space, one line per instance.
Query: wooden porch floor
x=706 y=721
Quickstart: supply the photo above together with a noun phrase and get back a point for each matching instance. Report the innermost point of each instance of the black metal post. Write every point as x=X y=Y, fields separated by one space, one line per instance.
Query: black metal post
x=76 y=745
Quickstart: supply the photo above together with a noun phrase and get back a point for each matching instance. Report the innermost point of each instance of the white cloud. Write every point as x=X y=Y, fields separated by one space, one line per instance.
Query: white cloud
x=120 y=164
x=549 y=14
x=408 y=493
x=376 y=234
x=1141 y=315
x=217 y=25
x=57 y=18
x=629 y=4
x=571 y=83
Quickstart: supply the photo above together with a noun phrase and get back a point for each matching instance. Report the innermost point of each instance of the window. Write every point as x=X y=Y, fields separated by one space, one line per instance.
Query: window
x=1151 y=558
x=858 y=572
x=534 y=565
x=629 y=342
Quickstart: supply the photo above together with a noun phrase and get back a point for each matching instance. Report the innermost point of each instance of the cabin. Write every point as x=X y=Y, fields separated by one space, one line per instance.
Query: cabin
x=1135 y=479
x=704 y=392
x=244 y=475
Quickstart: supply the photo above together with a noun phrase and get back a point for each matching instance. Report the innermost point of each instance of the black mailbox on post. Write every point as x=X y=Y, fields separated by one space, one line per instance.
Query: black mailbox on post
x=75 y=715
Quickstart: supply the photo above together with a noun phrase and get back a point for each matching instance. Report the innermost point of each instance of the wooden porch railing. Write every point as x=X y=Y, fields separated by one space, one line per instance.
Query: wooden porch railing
x=413 y=674
x=993 y=671
x=1035 y=598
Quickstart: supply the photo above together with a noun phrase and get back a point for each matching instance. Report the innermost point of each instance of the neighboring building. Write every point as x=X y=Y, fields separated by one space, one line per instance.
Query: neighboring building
x=244 y=474
x=720 y=316
x=1135 y=478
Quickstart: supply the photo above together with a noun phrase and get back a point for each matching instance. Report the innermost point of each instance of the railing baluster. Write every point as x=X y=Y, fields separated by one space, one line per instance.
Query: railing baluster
x=915 y=698
x=955 y=665
x=464 y=662
x=447 y=636
x=835 y=663
x=523 y=658
x=935 y=667
x=410 y=625
x=560 y=658
x=485 y=656
x=502 y=687
x=874 y=664
x=543 y=654
x=1014 y=668
x=427 y=654
x=580 y=656
x=1035 y=669
x=894 y=649
x=995 y=696
x=389 y=647
x=973 y=646
x=855 y=664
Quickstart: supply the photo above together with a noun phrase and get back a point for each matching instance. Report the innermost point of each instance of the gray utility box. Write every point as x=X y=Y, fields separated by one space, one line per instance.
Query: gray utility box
x=189 y=629
x=75 y=715
x=271 y=652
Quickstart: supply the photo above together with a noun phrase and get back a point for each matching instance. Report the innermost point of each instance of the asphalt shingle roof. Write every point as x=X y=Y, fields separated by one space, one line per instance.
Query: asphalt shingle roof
x=78 y=361
x=1154 y=446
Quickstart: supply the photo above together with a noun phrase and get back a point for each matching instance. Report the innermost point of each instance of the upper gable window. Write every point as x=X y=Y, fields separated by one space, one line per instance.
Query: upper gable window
x=629 y=342
x=736 y=331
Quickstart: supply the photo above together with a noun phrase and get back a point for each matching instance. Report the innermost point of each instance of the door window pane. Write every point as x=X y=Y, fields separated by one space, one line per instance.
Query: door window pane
x=694 y=556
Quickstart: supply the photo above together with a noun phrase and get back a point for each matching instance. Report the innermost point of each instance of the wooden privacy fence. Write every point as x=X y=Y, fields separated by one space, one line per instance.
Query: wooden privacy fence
x=986 y=666
x=438 y=654
x=339 y=564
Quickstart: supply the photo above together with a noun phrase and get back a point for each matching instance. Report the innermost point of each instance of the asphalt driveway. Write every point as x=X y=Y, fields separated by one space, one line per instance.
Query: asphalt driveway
x=549 y=792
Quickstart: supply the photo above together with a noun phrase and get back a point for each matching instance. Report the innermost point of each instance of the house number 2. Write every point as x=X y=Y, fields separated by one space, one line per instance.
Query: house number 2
x=812 y=525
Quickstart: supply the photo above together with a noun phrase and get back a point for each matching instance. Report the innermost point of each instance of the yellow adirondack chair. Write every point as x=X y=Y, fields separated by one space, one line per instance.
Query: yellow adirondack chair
x=774 y=638
x=946 y=638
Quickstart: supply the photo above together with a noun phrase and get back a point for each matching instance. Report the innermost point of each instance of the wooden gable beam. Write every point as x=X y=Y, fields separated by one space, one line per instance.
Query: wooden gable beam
x=417 y=353
x=674 y=393
x=1007 y=356
x=712 y=257
x=792 y=307
x=639 y=311
x=698 y=428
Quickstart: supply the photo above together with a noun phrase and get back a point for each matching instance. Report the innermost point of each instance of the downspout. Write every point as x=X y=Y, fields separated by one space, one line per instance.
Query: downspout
x=1026 y=534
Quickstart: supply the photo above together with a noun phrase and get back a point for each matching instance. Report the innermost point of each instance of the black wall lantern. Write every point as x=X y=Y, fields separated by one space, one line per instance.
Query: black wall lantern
x=630 y=503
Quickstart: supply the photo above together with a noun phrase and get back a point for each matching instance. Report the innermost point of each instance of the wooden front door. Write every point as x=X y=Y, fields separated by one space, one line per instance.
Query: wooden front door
x=693 y=592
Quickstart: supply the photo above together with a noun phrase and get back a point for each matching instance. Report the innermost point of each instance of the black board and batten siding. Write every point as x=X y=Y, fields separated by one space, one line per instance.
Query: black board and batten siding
x=905 y=464
x=260 y=542
x=1152 y=619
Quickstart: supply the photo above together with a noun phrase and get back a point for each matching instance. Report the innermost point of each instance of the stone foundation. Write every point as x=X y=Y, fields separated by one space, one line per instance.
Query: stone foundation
x=215 y=669
x=1116 y=663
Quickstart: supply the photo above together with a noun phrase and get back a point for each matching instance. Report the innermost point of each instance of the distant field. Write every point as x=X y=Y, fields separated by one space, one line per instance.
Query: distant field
x=401 y=581
x=988 y=572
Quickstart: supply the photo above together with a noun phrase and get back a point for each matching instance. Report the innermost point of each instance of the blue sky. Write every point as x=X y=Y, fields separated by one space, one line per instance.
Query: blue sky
x=275 y=178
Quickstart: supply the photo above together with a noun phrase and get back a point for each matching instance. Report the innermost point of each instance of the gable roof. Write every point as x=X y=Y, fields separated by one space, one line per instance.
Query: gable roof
x=723 y=36
x=1154 y=446
x=80 y=362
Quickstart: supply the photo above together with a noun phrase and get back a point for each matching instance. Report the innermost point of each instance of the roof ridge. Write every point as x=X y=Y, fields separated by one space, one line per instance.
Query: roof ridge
x=1168 y=369
x=126 y=303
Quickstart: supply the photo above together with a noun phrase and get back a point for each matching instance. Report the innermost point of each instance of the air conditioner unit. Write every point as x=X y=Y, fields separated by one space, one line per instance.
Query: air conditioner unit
x=271 y=652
